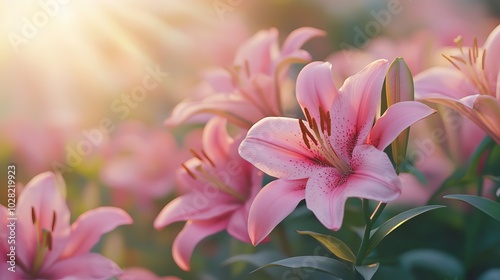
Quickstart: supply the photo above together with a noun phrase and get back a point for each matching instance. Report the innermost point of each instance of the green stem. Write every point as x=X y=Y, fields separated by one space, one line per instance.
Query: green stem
x=370 y=221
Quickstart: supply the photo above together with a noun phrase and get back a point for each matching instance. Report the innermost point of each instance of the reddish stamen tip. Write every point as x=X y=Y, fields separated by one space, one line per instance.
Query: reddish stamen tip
x=33 y=215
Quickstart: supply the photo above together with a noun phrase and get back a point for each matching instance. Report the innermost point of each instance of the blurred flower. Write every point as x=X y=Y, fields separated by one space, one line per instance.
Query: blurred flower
x=418 y=52
x=335 y=154
x=222 y=186
x=472 y=87
x=251 y=89
x=18 y=135
x=137 y=273
x=141 y=160
x=47 y=246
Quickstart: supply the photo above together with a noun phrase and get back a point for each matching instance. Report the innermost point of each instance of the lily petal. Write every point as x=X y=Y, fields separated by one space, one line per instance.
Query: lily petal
x=299 y=37
x=362 y=93
x=193 y=206
x=492 y=67
x=448 y=82
x=91 y=225
x=217 y=139
x=373 y=178
x=275 y=146
x=192 y=233
x=487 y=109
x=232 y=107
x=90 y=266
x=395 y=120
x=41 y=196
x=271 y=205
x=256 y=52
x=315 y=88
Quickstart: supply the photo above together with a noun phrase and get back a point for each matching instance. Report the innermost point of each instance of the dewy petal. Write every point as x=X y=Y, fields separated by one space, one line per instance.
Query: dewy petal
x=192 y=233
x=194 y=206
x=373 y=178
x=492 y=67
x=271 y=205
x=299 y=37
x=444 y=81
x=91 y=225
x=89 y=266
x=362 y=94
x=395 y=120
x=487 y=109
x=275 y=146
x=315 y=88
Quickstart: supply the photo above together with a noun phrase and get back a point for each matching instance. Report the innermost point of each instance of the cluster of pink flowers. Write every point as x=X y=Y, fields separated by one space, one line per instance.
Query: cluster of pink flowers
x=348 y=140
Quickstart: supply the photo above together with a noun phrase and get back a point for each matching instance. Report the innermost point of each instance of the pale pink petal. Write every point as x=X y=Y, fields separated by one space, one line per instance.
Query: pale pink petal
x=232 y=107
x=444 y=81
x=299 y=37
x=220 y=80
x=275 y=146
x=195 y=206
x=192 y=233
x=487 y=109
x=271 y=205
x=256 y=52
x=492 y=67
x=43 y=196
x=361 y=93
x=373 y=178
x=90 y=266
x=395 y=120
x=216 y=140
x=91 y=225
x=315 y=88
x=238 y=225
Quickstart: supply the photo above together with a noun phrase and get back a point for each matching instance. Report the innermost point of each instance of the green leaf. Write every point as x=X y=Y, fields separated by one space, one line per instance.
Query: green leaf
x=440 y=264
x=256 y=259
x=323 y=264
x=381 y=232
x=367 y=271
x=333 y=244
x=488 y=206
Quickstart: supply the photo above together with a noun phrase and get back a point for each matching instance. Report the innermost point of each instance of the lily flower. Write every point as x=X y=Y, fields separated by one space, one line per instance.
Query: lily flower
x=472 y=87
x=250 y=90
x=334 y=154
x=222 y=187
x=47 y=246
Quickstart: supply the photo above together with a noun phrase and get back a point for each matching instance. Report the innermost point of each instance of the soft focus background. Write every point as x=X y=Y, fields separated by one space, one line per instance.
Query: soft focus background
x=70 y=100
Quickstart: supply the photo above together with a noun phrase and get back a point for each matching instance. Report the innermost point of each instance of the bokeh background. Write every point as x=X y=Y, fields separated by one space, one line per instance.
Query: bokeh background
x=69 y=71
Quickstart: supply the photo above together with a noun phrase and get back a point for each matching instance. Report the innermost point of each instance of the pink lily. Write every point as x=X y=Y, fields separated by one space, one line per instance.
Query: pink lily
x=250 y=90
x=46 y=246
x=336 y=153
x=472 y=87
x=222 y=187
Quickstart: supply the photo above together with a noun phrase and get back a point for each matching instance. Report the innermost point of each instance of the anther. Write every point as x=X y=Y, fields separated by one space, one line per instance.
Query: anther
x=49 y=241
x=304 y=133
x=308 y=117
x=191 y=174
x=195 y=154
x=209 y=160
x=54 y=217
x=451 y=61
x=33 y=215
x=483 y=59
